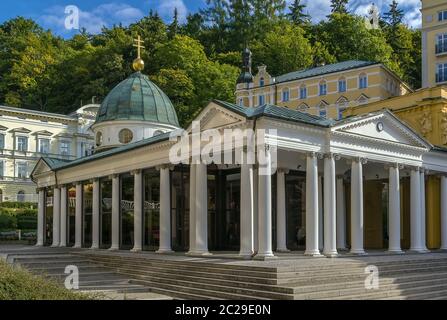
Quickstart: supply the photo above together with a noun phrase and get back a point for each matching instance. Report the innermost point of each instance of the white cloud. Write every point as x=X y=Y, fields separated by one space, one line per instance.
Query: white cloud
x=104 y=15
x=166 y=10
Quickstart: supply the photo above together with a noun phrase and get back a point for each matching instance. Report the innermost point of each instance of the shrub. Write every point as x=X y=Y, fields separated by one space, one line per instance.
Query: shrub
x=18 y=205
x=27 y=222
x=8 y=222
x=19 y=284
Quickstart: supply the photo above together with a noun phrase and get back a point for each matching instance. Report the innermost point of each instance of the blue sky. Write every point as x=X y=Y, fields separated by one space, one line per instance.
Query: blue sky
x=96 y=13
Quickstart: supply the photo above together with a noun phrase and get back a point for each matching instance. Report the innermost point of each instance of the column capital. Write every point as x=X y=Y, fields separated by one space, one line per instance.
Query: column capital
x=113 y=176
x=394 y=165
x=360 y=160
x=331 y=155
x=283 y=170
x=135 y=172
x=165 y=166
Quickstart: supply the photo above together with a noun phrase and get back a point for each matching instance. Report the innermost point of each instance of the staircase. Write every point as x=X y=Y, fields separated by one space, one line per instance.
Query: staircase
x=400 y=277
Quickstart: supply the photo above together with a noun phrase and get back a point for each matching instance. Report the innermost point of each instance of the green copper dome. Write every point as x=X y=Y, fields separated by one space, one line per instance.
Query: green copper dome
x=137 y=98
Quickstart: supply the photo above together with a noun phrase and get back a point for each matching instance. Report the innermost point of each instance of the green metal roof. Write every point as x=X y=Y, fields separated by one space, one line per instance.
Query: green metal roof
x=138 y=98
x=273 y=111
x=318 y=71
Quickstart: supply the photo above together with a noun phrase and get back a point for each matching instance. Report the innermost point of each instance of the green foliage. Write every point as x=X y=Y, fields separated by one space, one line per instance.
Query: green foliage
x=198 y=61
x=18 y=284
x=8 y=222
x=18 y=205
x=27 y=222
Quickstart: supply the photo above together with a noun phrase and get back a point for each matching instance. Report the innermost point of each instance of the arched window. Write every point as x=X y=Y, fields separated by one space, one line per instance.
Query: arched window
x=363 y=81
x=99 y=139
x=285 y=95
x=323 y=88
x=342 y=85
x=303 y=92
x=125 y=136
x=261 y=100
x=322 y=109
x=342 y=105
x=21 y=196
x=261 y=82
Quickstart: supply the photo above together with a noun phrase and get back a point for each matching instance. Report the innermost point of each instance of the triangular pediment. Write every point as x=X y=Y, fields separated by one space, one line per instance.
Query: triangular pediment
x=40 y=168
x=214 y=116
x=381 y=126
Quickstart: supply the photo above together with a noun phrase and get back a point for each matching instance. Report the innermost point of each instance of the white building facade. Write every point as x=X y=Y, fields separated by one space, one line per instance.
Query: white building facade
x=27 y=135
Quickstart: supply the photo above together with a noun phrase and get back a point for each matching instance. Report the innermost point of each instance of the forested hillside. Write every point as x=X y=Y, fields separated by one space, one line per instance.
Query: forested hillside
x=196 y=61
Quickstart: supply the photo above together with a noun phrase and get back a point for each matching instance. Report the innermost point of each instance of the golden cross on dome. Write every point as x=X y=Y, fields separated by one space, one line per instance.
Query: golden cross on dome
x=139 y=44
x=138 y=63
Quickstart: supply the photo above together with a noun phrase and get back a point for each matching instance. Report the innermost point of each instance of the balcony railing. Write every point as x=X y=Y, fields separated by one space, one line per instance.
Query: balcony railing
x=441 y=77
x=441 y=47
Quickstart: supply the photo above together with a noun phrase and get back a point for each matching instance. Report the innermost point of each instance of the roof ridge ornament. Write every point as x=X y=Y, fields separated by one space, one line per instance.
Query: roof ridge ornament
x=138 y=63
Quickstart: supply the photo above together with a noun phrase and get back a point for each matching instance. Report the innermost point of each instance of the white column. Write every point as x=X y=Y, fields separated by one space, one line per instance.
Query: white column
x=394 y=210
x=247 y=202
x=320 y=214
x=116 y=214
x=443 y=213
x=63 y=220
x=265 y=209
x=192 y=208
x=255 y=210
x=312 y=209
x=423 y=212
x=201 y=246
x=341 y=214
x=415 y=214
x=95 y=214
x=281 y=242
x=330 y=232
x=138 y=211
x=78 y=216
x=41 y=219
x=165 y=211
x=56 y=216
x=357 y=226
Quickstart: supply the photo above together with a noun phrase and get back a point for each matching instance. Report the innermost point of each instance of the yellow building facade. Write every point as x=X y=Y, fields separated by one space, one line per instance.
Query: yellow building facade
x=325 y=91
x=434 y=43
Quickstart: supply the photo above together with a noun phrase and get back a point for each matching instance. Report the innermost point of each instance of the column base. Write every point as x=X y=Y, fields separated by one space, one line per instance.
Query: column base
x=164 y=251
x=330 y=254
x=38 y=245
x=55 y=246
x=136 y=250
x=77 y=246
x=343 y=249
x=395 y=251
x=199 y=254
x=418 y=250
x=313 y=253
x=246 y=255
x=358 y=252
x=265 y=256
x=282 y=250
x=62 y=245
x=94 y=248
x=113 y=248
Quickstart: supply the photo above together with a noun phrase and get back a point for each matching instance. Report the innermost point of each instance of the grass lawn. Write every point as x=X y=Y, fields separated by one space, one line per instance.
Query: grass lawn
x=19 y=284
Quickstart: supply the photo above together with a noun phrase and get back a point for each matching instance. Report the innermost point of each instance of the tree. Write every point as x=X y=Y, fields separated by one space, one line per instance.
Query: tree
x=394 y=16
x=240 y=24
x=297 y=15
x=339 y=6
x=283 y=49
x=174 y=26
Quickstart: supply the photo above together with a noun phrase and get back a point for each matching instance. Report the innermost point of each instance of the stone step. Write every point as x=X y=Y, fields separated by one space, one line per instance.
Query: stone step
x=224 y=289
x=385 y=291
x=180 y=290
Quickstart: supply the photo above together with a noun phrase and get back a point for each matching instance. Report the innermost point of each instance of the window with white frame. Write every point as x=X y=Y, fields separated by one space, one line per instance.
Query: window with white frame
x=65 y=148
x=441 y=43
x=22 y=170
x=285 y=95
x=22 y=144
x=261 y=100
x=261 y=82
x=323 y=88
x=363 y=81
x=44 y=146
x=442 y=15
x=342 y=85
x=342 y=105
x=303 y=92
x=441 y=72
x=2 y=141
x=322 y=109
